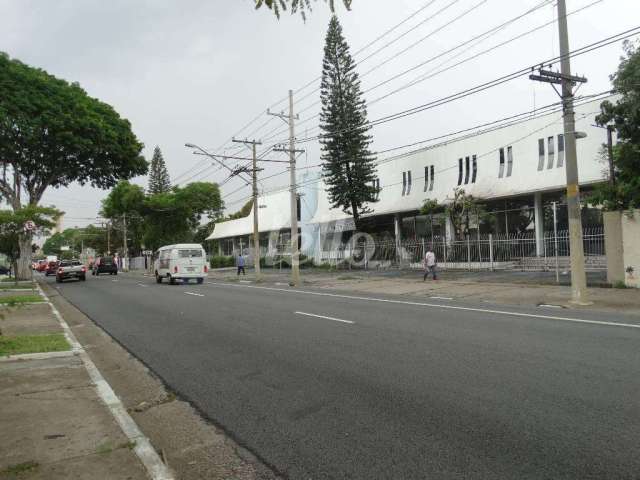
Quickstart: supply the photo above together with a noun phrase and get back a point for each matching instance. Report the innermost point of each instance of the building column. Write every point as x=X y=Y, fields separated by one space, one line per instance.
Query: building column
x=539 y=223
x=449 y=231
x=398 y=234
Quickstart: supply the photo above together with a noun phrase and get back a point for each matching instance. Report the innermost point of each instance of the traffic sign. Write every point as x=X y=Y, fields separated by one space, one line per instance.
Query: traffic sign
x=147 y=252
x=29 y=225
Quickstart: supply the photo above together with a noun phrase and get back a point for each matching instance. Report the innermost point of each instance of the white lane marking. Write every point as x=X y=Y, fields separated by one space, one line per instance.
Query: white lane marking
x=547 y=305
x=114 y=280
x=245 y=281
x=325 y=317
x=194 y=294
x=446 y=307
x=156 y=469
x=143 y=285
x=442 y=298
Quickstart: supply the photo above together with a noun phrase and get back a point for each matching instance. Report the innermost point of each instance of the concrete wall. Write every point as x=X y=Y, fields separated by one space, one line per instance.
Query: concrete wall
x=613 y=246
x=631 y=247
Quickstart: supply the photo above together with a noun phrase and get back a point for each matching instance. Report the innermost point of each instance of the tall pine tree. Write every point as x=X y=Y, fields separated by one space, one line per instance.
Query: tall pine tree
x=348 y=166
x=159 y=181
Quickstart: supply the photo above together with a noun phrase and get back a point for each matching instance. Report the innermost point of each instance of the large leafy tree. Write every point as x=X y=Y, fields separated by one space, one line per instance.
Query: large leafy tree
x=12 y=224
x=53 y=134
x=624 y=117
x=159 y=181
x=302 y=6
x=91 y=236
x=348 y=165
x=176 y=216
x=124 y=208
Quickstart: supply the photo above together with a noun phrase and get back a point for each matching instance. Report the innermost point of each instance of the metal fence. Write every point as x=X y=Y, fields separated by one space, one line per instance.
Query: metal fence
x=480 y=252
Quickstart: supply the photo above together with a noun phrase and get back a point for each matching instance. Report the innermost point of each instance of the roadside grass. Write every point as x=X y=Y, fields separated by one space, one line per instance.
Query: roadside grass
x=18 y=344
x=18 y=469
x=19 y=286
x=13 y=300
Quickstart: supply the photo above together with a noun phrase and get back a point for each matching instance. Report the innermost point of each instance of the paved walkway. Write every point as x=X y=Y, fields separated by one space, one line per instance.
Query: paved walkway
x=54 y=423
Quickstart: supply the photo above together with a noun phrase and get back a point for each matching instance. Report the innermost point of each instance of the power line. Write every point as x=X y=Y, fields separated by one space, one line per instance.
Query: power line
x=504 y=122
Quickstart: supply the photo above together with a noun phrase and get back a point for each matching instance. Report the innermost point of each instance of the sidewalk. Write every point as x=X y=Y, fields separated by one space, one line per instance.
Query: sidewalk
x=498 y=288
x=55 y=425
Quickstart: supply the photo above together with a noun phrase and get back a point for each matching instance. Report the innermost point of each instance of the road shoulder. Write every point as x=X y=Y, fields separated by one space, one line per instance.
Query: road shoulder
x=191 y=446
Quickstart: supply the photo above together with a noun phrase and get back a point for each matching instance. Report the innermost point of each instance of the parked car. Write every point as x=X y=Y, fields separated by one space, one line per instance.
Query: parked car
x=4 y=270
x=183 y=261
x=71 y=269
x=52 y=268
x=42 y=265
x=105 y=265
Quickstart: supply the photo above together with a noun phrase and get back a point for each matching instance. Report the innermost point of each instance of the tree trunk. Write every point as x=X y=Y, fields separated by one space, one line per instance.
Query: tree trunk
x=24 y=262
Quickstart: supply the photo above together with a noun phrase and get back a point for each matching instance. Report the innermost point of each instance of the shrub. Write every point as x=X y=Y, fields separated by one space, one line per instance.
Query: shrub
x=222 y=261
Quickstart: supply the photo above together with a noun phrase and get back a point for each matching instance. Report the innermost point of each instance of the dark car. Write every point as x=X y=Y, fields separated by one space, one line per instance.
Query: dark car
x=52 y=268
x=4 y=270
x=105 y=265
x=71 y=269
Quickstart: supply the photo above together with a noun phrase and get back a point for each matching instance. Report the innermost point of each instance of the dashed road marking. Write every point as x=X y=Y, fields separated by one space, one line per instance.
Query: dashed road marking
x=435 y=305
x=325 y=317
x=442 y=298
x=194 y=294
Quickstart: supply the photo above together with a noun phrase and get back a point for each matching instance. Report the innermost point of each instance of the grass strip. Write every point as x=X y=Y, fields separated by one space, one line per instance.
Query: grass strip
x=12 y=300
x=19 y=286
x=18 y=344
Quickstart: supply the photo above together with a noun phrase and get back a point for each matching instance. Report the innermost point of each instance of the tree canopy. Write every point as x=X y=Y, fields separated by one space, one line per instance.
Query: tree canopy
x=159 y=181
x=52 y=134
x=348 y=166
x=12 y=226
x=624 y=116
x=302 y=6
x=163 y=218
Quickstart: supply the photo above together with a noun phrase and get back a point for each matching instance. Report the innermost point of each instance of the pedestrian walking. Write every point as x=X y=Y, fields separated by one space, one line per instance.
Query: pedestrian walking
x=240 y=264
x=430 y=264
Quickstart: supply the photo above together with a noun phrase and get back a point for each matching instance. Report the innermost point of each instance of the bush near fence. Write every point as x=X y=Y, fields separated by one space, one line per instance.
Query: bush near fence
x=222 y=262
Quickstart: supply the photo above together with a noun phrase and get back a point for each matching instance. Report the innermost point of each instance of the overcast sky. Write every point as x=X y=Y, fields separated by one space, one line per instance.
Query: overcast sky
x=199 y=70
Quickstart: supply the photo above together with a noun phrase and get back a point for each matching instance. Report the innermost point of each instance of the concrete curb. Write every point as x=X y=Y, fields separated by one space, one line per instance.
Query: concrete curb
x=37 y=356
x=156 y=469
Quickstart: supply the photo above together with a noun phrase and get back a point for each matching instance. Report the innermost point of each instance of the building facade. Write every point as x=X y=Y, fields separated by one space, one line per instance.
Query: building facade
x=516 y=168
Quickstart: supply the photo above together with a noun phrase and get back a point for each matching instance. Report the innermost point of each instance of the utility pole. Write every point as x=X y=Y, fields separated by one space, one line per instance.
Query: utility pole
x=567 y=81
x=109 y=238
x=256 y=233
x=612 y=172
x=295 y=251
x=124 y=242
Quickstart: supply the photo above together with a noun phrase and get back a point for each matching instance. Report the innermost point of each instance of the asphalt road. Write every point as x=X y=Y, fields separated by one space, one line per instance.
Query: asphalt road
x=406 y=391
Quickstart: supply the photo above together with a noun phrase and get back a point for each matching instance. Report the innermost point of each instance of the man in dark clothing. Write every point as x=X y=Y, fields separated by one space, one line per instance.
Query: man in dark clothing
x=240 y=264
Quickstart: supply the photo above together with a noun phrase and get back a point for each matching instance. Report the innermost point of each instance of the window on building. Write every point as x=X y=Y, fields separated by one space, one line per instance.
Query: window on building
x=467 y=165
x=551 y=153
x=459 y=171
x=541 y=154
x=474 y=173
x=431 y=178
x=560 y=150
x=501 y=167
x=509 y=161
x=408 y=182
x=376 y=187
x=426 y=178
x=404 y=183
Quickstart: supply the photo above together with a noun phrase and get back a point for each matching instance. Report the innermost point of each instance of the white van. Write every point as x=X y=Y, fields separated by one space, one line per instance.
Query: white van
x=181 y=262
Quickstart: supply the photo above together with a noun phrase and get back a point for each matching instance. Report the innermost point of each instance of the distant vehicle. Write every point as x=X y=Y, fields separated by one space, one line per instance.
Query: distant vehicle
x=42 y=265
x=105 y=265
x=52 y=258
x=71 y=269
x=51 y=268
x=4 y=270
x=183 y=261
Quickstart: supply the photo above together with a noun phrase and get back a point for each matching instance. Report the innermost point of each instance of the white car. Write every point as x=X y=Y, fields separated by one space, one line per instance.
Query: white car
x=182 y=261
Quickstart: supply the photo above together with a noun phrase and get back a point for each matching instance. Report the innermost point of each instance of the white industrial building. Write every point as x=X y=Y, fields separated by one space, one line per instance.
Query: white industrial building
x=516 y=167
